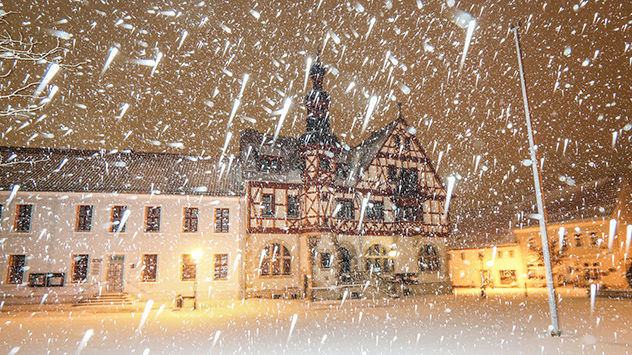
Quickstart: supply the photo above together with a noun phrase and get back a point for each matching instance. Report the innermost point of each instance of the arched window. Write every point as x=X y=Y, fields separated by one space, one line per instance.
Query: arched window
x=377 y=259
x=429 y=258
x=276 y=260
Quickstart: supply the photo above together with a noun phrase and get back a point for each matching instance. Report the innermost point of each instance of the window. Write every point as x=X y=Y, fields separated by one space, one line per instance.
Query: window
x=79 y=268
x=189 y=268
x=378 y=260
x=325 y=260
x=578 y=240
x=150 y=267
x=267 y=205
x=47 y=279
x=342 y=171
x=429 y=258
x=190 y=220
x=23 y=218
x=276 y=260
x=407 y=143
x=500 y=254
x=410 y=214
x=221 y=220
x=374 y=211
x=323 y=164
x=120 y=214
x=593 y=239
x=507 y=277
x=152 y=223
x=264 y=164
x=220 y=270
x=270 y=164
x=462 y=255
x=292 y=207
x=345 y=210
x=564 y=243
x=511 y=254
x=392 y=173
x=591 y=271
x=397 y=140
x=15 y=274
x=84 y=218
x=409 y=181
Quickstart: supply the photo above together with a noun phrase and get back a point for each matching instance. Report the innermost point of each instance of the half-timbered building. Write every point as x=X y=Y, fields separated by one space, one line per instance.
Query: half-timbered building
x=324 y=219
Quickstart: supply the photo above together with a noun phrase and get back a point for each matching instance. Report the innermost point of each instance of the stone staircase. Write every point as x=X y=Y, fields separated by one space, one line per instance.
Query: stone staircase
x=107 y=299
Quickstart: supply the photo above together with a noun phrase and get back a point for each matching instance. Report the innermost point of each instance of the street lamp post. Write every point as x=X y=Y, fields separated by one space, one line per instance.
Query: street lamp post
x=196 y=258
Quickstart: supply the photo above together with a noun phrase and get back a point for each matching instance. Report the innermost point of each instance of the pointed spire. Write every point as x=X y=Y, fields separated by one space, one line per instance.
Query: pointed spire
x=399 y=105
x=317 y=73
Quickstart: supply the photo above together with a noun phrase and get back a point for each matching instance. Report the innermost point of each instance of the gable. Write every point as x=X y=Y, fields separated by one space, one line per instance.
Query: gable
x=402 y=155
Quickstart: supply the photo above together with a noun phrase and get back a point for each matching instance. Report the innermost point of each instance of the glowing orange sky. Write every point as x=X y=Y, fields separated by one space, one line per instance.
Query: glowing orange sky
x=577 y=61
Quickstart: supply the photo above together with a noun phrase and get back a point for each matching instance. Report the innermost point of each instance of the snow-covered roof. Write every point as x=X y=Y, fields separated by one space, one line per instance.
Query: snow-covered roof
x=70 y=170
x=484 y=227
x=493 y=225
x=596 y=199
x=359 y=157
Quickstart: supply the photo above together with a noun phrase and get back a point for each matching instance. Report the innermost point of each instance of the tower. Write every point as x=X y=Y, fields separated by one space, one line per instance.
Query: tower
x=318 y=149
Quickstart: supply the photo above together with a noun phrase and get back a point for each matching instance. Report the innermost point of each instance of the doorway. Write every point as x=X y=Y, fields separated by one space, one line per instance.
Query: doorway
x=115 y=273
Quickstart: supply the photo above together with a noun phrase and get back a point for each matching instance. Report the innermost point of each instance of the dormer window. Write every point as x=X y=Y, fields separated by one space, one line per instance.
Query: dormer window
x=397 y=140
x=269 y=164
x=407 y=143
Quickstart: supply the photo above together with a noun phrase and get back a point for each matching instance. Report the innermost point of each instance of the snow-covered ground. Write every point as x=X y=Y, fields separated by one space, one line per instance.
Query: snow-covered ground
x=505 y=322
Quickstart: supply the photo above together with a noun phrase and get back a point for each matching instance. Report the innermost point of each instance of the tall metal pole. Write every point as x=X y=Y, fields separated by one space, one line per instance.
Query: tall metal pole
x=555 y=331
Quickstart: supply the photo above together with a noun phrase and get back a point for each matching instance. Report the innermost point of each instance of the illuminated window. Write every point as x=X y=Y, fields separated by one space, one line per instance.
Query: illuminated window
x=507 y=277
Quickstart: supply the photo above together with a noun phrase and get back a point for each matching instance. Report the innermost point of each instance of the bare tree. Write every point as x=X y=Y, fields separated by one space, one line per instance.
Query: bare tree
x=16 y=53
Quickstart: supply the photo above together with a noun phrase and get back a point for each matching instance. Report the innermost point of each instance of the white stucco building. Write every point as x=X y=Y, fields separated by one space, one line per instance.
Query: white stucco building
x=78 y=223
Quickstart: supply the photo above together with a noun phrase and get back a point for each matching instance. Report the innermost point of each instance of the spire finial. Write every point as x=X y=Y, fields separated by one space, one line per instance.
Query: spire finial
x=399 y=105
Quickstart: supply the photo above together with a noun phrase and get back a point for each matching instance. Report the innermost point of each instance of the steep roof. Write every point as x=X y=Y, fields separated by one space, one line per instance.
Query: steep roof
x=359 y=157
x=596 y=199
x=69 y=170
x=484 y=227
x=493 y=225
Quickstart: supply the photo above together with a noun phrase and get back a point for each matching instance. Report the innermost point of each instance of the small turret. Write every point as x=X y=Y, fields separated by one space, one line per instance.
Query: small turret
x=318 y=126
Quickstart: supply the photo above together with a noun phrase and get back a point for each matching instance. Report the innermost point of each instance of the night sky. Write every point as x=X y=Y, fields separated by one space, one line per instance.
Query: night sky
x=470 y=119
